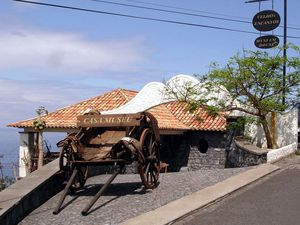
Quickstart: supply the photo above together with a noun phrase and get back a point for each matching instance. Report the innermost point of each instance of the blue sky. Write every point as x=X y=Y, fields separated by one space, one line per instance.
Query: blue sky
x=55 y=57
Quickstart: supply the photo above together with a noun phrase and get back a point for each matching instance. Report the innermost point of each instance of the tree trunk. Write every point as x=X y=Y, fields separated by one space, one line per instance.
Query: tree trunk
x=264 y=123
x=40 y=149
x=273 y=129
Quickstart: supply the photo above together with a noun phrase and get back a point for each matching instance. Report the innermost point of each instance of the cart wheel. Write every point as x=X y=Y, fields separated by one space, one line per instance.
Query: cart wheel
x=66 y=159
x=149 y=169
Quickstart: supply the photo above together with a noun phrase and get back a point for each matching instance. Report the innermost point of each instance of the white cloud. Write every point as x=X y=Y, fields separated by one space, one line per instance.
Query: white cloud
x=16 y=92
x=31 y=48
x=55 y=69
x=20 y=98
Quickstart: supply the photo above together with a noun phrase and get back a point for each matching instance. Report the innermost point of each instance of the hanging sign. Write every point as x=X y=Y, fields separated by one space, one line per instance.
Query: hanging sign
x=266 y=20
x=268 y=41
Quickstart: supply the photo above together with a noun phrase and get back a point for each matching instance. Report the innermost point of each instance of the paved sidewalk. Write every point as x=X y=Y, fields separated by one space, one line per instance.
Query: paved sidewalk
x=199 y=199
x=273 y=200
x=126 y=198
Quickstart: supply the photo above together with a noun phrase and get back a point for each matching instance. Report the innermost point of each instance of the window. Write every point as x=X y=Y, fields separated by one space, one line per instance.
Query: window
x=203 y=145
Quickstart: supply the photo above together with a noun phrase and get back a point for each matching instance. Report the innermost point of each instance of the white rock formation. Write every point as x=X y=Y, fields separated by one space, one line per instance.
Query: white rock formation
x=154 y=94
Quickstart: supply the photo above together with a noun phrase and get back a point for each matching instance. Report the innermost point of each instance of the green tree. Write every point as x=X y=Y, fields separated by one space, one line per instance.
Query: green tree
x=254 y=83
x=39 y=124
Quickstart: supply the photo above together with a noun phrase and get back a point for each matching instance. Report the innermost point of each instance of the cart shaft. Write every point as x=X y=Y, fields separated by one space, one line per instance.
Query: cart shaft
x=100 y=192
x=65 y=192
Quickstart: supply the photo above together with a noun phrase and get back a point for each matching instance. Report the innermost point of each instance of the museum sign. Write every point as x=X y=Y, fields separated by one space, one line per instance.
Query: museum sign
x=108 y=120
x=268 y=41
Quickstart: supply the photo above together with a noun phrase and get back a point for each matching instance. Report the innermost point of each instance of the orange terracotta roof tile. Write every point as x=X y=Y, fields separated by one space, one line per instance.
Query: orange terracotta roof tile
x=67 y=116
x=199 y=120
x=170 y=116
x=166 y=120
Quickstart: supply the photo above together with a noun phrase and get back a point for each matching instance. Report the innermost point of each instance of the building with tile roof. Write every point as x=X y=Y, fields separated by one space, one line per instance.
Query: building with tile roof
x=189 y=140
x=172 y=116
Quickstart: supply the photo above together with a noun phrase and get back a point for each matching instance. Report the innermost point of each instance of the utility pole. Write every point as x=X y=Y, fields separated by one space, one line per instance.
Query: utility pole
x=284 y=51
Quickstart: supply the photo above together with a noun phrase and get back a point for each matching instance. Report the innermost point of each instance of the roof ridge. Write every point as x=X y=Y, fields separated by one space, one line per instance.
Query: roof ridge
x=120 y=90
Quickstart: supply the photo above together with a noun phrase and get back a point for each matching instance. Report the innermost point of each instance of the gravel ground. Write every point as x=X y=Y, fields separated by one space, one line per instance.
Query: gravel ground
x=125 y=198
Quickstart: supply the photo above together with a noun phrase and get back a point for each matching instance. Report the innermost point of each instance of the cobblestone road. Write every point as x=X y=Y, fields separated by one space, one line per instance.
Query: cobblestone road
x=125 y=198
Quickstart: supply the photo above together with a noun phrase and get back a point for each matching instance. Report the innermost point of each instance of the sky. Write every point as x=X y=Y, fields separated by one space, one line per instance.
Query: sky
x=55 y=57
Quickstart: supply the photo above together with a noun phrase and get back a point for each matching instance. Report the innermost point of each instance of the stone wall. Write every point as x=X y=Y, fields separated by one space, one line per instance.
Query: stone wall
x=242 y=153
x=214 y=158
x=190 y=151
x=19 y=199
x=194 y=150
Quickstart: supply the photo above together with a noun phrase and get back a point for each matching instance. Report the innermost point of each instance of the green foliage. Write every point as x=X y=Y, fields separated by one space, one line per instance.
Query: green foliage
x=254 y=84
x=240 y=123
x=193 y=106
x=41 y=110
x=255 y=79
x=213 y=111
x=39 y=124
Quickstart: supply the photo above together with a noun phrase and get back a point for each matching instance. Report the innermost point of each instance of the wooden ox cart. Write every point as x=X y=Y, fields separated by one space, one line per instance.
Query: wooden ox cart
x=110 y=140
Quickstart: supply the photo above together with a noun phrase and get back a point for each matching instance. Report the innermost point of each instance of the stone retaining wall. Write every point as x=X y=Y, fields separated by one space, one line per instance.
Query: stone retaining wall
x=28 y=193
x=242 y=153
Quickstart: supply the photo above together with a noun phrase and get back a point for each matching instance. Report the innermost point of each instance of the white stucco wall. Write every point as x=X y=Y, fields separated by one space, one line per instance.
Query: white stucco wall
x=23 y=153
x=286 y=130
x=276 y=154
x=26 y=147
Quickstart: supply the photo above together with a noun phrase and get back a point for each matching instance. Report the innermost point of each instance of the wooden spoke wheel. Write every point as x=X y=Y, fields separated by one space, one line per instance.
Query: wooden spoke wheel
x=149 y=169
x=66 y=164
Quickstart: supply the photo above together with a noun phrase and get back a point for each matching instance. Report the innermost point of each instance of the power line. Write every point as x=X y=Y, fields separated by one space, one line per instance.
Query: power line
x=170 y=11
x=185 y=9
x=133 y=16
x=141 y=17
x=193 y=10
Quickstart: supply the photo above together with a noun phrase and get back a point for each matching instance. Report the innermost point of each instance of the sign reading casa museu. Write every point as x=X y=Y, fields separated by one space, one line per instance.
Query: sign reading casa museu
x=108 y=120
